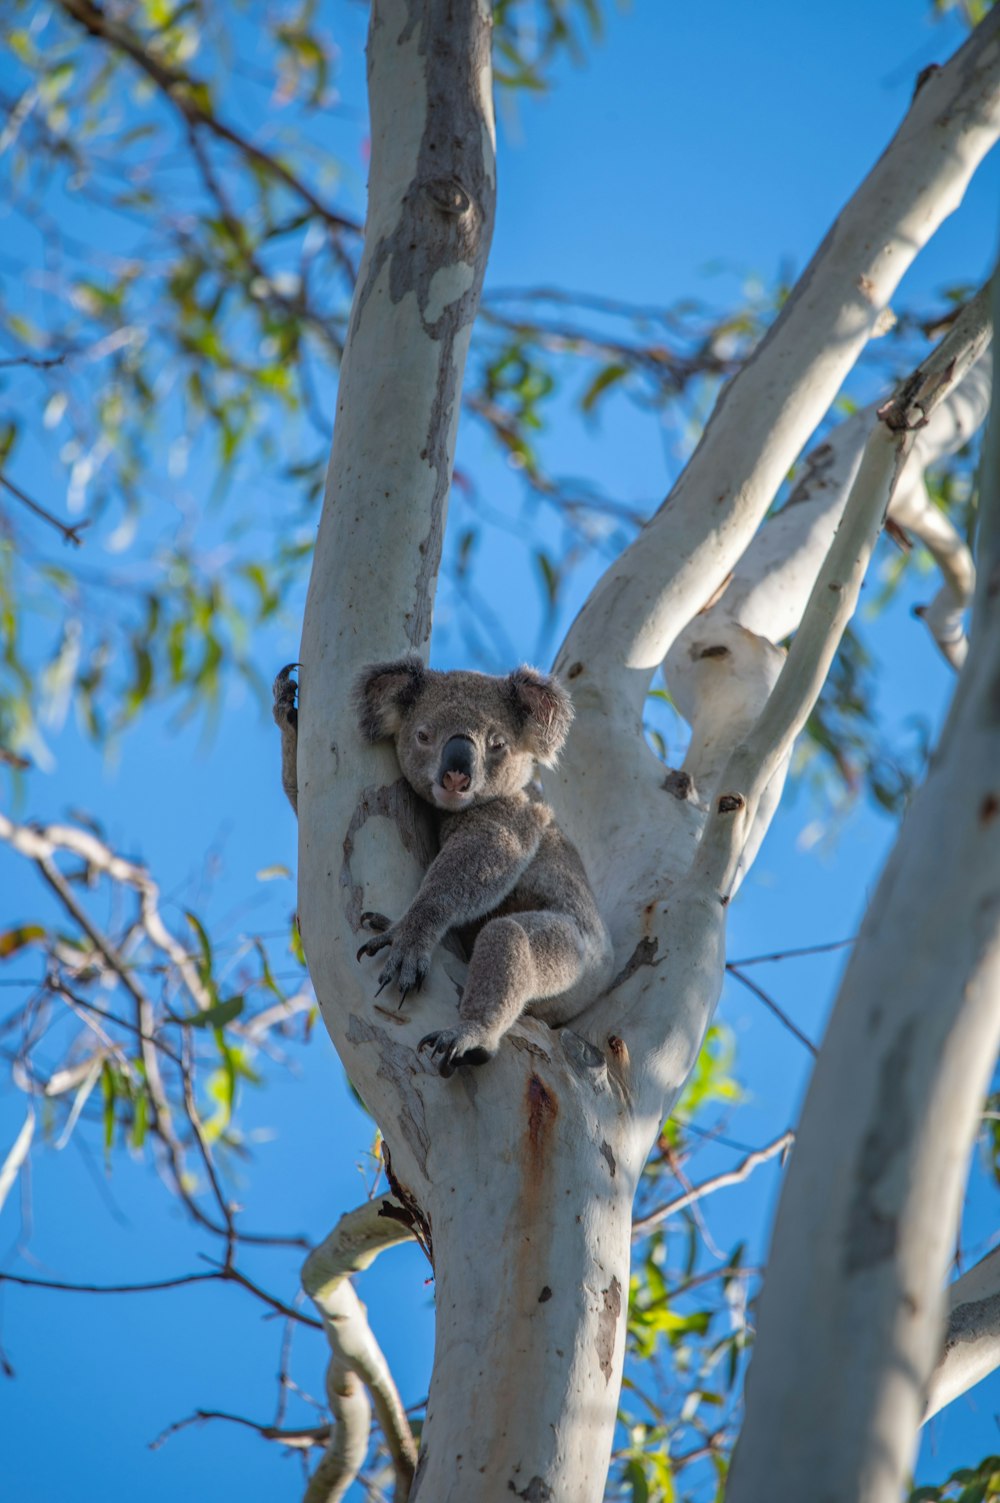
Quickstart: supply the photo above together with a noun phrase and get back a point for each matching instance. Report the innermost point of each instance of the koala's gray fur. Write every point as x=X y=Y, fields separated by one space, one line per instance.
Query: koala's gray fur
x=506 y=878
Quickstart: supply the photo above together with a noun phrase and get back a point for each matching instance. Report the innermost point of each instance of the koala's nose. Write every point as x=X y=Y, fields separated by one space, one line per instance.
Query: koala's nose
x=457 y=761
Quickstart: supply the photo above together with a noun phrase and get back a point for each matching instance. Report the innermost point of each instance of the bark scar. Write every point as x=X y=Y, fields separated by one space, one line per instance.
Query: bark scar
x=543 y=1108
x=396 y=1064
x=395 y=801
x=607 y=1327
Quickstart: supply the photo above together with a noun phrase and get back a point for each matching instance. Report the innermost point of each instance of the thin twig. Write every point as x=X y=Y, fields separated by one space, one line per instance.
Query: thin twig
x=303 y=1438
x=779 y=1013
x=220 y=1275
x=36 y=362
x=823 y=949
x=70 y=534
x=643 y=1225
x=148 y=1288
x=184 y=93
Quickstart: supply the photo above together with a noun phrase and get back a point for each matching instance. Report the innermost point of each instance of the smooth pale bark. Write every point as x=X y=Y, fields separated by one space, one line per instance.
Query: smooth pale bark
x=518 y=1173
x=355 y=1356
x=972 y=1334
x=723 y=665
x=850 y=1317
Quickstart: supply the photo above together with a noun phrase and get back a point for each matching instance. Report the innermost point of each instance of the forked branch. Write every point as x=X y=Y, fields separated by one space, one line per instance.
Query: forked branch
x=356 y=1361
x=770 y=408
x=831 y=604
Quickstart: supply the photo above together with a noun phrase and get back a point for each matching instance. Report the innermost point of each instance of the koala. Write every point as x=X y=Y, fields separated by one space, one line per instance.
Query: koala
x=506 y=878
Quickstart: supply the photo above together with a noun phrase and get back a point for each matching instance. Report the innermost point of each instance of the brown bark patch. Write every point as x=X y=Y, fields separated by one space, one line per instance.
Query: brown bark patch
x=607 y=1327
x=607 y=1153
x=678 y=782
x=619 y=1049
x=989 y=808
x=543 y=1108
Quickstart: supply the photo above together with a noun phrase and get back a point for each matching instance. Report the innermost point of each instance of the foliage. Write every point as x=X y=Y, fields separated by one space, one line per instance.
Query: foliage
x=165 y=373
x=965 y=1485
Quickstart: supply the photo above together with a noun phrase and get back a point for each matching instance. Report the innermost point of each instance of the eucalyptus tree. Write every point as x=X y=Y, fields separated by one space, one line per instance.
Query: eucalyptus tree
x=521 y=1176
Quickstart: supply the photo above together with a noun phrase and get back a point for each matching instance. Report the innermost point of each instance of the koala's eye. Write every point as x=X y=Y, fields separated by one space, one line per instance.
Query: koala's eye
x=497 y=744
x=423 y=738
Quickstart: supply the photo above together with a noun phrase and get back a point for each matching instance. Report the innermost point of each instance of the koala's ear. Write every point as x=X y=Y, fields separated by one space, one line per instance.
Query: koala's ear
x=545 y=710
x=383 y=692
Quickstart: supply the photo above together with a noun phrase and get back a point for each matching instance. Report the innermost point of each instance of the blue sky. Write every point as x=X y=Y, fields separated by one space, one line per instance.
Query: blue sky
x=694 y=150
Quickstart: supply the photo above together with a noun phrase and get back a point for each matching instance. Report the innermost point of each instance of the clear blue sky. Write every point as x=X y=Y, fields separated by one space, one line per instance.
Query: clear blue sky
x=693 y=137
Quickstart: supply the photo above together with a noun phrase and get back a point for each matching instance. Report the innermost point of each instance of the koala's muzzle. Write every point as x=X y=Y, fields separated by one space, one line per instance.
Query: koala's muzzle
x=458 y=762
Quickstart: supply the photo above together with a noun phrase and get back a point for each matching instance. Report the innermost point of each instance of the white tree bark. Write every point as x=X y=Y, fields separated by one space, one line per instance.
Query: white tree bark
x=851 y=1312
x=520 y=1176
x=356 y=1358
x=971 y=1348
x=769 y=410
x=723 y=665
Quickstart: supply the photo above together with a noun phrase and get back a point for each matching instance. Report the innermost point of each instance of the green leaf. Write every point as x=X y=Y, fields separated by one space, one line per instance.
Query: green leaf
x=204 y=945
x=108 y=1091
x=140 y=1121
x=217 y=1016
x=602 y=381
x=13 y=940
x=636 y=1476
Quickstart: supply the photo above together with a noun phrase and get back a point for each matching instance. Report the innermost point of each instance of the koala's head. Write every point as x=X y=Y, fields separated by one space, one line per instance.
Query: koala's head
x=463 y=738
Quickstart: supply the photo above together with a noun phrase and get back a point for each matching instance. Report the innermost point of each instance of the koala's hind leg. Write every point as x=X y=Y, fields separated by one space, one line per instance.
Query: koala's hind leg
x=517 y=959
x=286 y=718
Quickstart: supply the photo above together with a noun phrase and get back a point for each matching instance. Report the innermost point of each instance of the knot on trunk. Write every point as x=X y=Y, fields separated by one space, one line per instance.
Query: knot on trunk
x=448 y=195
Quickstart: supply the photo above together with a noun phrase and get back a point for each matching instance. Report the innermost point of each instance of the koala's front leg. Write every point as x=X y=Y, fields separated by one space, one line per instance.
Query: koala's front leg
x=410 y=957
x=485 y=853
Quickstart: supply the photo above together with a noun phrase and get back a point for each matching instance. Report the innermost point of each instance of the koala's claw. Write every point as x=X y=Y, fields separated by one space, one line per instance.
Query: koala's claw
x=372 y=946
x=408 y=962
x=407 y=968
x=377 y=922
x=447 y=1051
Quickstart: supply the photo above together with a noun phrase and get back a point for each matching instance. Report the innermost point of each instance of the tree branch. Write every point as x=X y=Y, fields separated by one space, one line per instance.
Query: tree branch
x=70 y=534
x=849 y=1325
x=769 y=409
x=971 y=1348
x=756 y=760
x=724 y=664
x=186 y=94
x=354 y=1243
x=40 y=844
x=228 y=1275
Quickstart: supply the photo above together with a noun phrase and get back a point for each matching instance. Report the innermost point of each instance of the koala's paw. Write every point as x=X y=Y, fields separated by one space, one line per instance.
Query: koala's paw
x=452 y=1047
x=285 y=690
x=409 y=959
